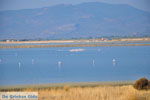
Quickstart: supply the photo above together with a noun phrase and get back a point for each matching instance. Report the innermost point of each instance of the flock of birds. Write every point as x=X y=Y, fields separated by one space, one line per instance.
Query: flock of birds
x=59 y=63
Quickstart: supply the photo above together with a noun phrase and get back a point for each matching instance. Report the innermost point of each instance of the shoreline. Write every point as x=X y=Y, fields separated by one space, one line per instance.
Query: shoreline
x=71 y=45
x=79 y=41
x=76 y=43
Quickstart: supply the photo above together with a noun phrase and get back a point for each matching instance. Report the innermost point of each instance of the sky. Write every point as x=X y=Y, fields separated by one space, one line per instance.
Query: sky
x=27 y=4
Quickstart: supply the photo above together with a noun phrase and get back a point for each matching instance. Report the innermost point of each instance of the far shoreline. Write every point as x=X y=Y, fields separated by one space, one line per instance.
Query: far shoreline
x=76 y=43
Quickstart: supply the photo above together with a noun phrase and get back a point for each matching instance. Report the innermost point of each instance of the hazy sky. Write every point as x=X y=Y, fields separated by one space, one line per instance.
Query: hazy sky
x=25 y=4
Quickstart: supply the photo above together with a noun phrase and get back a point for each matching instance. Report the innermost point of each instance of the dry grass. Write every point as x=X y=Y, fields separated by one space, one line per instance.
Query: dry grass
x=93 y=93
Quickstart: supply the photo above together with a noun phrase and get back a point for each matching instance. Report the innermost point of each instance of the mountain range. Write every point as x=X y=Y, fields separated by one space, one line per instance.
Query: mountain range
x=86 y=20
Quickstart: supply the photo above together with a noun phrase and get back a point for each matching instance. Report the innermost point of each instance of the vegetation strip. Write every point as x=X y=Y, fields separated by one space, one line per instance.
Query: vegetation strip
x=71 y=45
x=61 y=85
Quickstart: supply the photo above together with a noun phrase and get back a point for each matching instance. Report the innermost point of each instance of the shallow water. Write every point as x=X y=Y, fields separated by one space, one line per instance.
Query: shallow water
x=52 y=65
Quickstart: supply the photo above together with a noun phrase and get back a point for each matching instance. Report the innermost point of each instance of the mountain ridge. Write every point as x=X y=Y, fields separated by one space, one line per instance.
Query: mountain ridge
x=75 y=21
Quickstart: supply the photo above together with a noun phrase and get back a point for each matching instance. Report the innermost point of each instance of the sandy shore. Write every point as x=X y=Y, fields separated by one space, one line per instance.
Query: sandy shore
x=70 y=45
x=76 y=41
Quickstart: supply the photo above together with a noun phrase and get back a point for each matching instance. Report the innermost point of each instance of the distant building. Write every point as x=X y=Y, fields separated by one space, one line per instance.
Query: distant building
x=10 y=40
x=7 y=40
x=104 y=39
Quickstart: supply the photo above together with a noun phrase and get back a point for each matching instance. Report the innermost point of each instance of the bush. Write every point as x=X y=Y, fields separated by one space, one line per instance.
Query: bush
x=142 y=83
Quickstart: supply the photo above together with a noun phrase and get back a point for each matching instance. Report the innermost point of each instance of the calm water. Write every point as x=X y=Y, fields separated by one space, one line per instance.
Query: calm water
x=50 y=65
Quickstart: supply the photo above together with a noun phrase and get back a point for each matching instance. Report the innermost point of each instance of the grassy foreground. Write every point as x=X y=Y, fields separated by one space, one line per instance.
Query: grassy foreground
x=94 y=93
x=85 y=91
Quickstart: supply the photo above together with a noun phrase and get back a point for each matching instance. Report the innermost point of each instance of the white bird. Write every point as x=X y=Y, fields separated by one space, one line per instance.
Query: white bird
x=19 y=64
x=93 y=62
x=32 y=61
x=59 y=64
x=114 y=62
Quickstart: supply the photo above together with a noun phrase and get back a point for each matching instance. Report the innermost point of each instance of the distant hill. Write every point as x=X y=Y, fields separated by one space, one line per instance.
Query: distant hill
x=84 y=20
